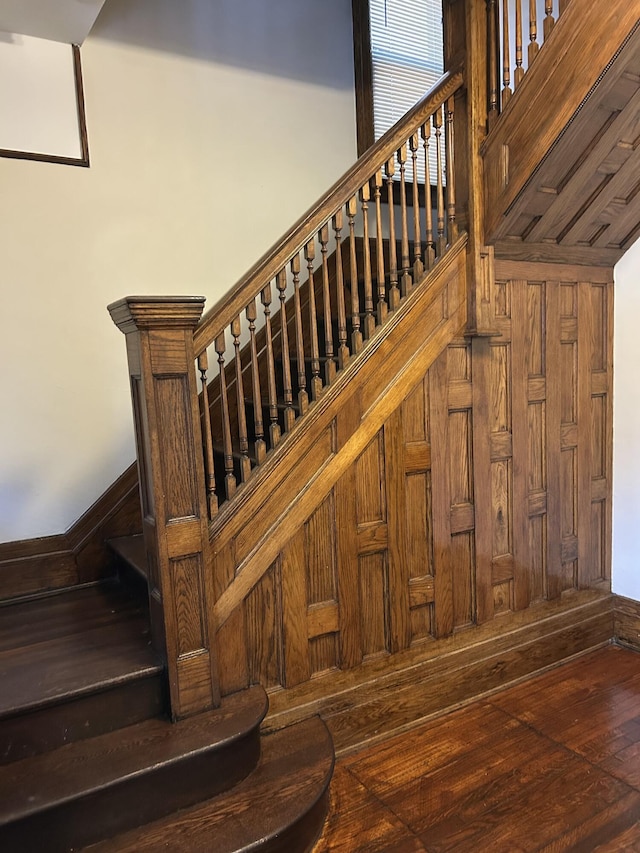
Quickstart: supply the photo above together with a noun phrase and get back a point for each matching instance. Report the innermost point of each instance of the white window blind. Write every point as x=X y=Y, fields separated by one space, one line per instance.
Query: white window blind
x=407 y=59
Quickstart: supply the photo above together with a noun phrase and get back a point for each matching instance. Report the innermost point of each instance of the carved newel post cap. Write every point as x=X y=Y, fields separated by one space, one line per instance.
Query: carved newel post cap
x=156 y=312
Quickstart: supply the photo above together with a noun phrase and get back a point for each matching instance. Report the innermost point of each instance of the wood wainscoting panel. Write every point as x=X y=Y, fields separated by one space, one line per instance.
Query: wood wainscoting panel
x=626 y=621
x=80 y=555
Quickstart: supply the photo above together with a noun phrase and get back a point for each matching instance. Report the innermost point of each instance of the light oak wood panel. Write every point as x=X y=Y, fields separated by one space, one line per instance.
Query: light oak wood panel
x=574 y=182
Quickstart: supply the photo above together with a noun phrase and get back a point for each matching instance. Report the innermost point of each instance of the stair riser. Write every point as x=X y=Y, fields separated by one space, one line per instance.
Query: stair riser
x=301 y=837
x=131 y=802
x=41 y=730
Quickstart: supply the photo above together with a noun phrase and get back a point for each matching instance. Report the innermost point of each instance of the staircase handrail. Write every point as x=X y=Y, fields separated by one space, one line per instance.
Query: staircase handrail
x=222 y=313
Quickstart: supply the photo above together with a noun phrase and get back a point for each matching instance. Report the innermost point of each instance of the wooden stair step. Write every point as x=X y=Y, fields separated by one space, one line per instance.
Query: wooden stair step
x=130 y=550
x=279 y=808
x=96 y=788
x=74 y=664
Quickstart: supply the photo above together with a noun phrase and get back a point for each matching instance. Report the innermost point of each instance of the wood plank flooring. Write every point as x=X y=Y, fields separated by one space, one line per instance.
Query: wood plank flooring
x=552 y=764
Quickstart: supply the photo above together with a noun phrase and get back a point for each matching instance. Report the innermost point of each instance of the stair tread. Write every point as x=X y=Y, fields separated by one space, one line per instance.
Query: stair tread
x=131 y=549
x=72 y=643
x=291 y=778
x=84 y=767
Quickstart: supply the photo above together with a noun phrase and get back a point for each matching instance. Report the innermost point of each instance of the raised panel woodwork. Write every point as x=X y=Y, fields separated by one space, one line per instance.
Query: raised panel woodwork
x=463 y=504
x=572 y=184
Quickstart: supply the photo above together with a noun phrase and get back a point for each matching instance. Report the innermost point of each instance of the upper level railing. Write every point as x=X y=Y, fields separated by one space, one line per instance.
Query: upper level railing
x=310 y=304
x=509 y=24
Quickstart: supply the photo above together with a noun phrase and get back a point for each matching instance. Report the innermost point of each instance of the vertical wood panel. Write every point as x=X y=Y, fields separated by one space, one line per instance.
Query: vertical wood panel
x=484 y=497
x=374 y=604
x=441 y=497
x=321 y=552
x=399 y=625
x=370 y=482
x=262 y=620
x=586 y=324
x=295 y=647
x=348 y=581
x=520 y=335
x=554 y=386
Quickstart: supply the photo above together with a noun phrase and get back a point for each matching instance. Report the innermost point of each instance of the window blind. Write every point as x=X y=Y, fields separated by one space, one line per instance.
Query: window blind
x=407 y=59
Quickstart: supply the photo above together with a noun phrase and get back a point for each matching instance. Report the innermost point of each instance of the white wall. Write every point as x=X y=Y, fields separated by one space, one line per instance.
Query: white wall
x=211 y=128
x=626 y=427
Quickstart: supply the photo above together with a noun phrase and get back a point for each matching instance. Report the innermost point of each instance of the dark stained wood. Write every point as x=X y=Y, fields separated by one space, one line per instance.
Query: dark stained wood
x=85 y=791
x=567 y=176
x=78 y=556
x=545 y=766
x=279 y=808
x=386 y=695
x=626 y=616
x=161 y=359
x=59 y=652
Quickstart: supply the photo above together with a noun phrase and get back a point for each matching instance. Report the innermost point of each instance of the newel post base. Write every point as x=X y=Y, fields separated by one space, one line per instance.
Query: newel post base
x=159 y=337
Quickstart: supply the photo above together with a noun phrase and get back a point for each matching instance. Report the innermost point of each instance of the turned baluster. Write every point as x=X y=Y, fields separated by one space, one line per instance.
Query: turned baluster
x=452 y=225
x=506 y=59
x=245 y=462
x=562 y=5
x=382 y=307
x=518 y=74
x=430 y=247
x=209 y=468
x=303 y=397
x=549 y=21
x=343 y=349
x=394 y=291
x=369 y=320
x=274 y=426
x=316 y=381
x=534 y=47
x=418 y=267
x=330 y=364
x=287 y=389
x=356 y=334
x=405 y=260
x=493 y=81
x=441 y=241
x=260 y=448
x=230 y=480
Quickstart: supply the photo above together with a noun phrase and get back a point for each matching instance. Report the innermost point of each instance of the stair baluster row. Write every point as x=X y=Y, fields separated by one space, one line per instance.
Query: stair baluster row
x=506 y=45
x=334 y=290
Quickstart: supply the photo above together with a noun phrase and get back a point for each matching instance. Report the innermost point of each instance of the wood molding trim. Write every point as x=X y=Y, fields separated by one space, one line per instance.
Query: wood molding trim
x=626 y=621
x=397 y=692
x=363 y=74
x=30 y=566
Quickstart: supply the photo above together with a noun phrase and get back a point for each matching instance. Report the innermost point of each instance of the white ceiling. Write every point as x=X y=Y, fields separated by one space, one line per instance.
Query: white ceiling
x=59 y=20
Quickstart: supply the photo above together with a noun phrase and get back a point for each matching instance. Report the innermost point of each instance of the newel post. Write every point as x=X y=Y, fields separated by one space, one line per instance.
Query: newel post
x=159 y=338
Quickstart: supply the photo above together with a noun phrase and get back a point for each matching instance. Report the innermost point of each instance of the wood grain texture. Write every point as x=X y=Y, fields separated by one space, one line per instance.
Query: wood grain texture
x=543 y=766
x=554 y=181
x=390 y=693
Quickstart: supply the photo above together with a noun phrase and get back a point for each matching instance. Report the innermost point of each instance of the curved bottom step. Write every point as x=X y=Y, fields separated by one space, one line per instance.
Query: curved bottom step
x=280 y=808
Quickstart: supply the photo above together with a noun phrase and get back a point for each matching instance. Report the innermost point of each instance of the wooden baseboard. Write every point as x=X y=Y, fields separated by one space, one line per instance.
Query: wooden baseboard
x=397 y=692
x=626 y=621
x=30 y=566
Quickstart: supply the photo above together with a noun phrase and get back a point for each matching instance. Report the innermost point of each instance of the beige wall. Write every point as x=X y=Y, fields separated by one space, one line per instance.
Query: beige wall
x=211 y=128
x=626 y=427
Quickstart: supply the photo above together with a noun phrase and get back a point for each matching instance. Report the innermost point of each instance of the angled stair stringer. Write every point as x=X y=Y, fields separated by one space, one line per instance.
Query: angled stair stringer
x=303 y=473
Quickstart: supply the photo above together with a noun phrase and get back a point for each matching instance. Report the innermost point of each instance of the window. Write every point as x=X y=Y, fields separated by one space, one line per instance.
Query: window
x=398 y=56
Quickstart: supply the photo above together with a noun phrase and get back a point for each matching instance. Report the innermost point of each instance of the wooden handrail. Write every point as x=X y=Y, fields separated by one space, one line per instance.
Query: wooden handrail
x=222 y=314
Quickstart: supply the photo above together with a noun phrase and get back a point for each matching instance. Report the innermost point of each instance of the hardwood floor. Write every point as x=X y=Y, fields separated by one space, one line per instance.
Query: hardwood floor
x=552 y=764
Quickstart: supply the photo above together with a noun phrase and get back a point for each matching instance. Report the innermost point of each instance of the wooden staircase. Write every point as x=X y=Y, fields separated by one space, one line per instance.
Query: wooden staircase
x=350 y=491
x=87 y=752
